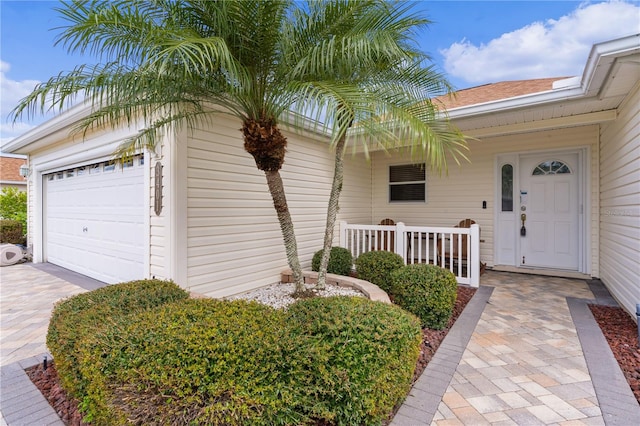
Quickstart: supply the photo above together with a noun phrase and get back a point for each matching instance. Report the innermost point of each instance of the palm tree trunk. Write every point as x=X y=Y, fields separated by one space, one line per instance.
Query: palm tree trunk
x=276 y=188
x=267 y=145
x=332 y=210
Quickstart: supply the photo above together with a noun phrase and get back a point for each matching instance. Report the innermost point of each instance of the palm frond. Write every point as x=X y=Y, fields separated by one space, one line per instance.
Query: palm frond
x=339 y=64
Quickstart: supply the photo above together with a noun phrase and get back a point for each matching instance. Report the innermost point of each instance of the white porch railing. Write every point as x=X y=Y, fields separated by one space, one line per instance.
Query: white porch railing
x=456 y=249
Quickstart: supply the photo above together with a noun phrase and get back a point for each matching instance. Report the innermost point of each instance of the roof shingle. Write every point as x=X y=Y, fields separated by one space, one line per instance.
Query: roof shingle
x=496 y=91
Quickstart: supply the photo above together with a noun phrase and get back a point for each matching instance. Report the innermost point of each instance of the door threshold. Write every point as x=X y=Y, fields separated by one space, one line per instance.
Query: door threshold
x=545 y=272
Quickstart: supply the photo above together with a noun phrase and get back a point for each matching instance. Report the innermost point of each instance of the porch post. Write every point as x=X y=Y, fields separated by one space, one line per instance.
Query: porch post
x=343 y=234
x=475 y=256
x=401 y=241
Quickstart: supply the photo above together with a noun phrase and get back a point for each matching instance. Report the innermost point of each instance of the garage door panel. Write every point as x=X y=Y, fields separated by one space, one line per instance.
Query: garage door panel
x=95 y=222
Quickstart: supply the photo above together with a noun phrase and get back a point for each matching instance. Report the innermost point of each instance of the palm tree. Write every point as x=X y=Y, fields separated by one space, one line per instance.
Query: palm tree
x=373 y=88
x=170 y=61
x=177 y=62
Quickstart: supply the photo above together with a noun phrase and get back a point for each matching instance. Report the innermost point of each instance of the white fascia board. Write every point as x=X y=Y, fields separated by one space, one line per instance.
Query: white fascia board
x=7 y=155
x=48 y=128
x=516 y=102
x=596 y=71
x=603 y=56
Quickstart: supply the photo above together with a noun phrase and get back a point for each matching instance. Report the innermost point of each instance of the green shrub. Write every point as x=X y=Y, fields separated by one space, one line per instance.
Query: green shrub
x=377 y=266
x=77 y=318
x=340 y=261
x=13 y=205
x=197 y=361
x=337 y=360
x=357 y=358
x=11 y=232
x=427 y=291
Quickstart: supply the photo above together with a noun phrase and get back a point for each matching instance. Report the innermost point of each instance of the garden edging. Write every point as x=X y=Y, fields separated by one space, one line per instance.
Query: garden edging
x=372 y=291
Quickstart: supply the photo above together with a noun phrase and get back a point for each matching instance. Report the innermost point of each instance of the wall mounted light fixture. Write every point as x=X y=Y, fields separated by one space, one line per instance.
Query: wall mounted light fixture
x=24 y=171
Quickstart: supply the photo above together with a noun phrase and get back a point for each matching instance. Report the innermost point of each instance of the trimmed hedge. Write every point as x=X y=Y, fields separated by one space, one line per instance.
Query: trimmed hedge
x=377 y=266
x=11 y=232
x=340 y=261
x=197 y=361
x=336 y=360
x=427 y=291
x=357 y=357
x=78 y=318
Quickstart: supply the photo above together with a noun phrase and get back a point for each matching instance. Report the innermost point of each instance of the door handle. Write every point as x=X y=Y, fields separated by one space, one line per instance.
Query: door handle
x=523 y=229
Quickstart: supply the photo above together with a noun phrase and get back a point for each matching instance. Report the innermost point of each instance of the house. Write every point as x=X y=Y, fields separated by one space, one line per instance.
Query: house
x=10 y=176
x=565 y=152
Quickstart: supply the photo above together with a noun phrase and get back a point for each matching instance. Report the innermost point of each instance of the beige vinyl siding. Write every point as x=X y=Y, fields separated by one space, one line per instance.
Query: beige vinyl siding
x=157 y=226
x=620 y=204
x=167 y=231
x=355 y=201
x=459 y=194
x=31 y=205
x=234 y=242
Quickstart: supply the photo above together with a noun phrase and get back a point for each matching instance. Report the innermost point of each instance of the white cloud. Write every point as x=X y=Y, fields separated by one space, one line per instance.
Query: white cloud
x=12 y=91
x=553 y=48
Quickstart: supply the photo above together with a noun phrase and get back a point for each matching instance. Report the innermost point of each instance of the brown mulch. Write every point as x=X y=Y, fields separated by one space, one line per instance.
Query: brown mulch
x=621 y=332
x=47 y=380
x=48 y=383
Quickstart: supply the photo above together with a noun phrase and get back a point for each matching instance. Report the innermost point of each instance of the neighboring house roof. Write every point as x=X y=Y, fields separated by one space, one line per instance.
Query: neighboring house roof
x=496 y=91
x=10 y=170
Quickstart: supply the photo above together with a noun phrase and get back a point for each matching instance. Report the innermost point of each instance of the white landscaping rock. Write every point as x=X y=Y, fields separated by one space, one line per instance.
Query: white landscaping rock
x=10 y=254
x=279 y=295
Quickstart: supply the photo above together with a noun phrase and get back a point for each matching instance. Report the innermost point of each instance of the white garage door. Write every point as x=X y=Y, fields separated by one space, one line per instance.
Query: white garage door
x=94 y=220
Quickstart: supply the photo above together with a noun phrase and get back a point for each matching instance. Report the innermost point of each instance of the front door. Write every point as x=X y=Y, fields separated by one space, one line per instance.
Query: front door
x=549 y=199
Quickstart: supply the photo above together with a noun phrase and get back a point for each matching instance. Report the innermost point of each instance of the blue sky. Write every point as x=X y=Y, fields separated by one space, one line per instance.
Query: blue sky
x=472 y=42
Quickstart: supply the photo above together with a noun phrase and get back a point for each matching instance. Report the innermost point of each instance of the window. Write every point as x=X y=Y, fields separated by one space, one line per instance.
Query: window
x=110 y=166
x=407 y=183
x=551 y=168
x=507 y=188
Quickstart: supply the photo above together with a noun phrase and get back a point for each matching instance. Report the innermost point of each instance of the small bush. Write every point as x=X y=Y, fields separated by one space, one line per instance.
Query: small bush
x=11 y=232
x=377 y=266
x=427 y=291
x=197 y=361
x=357 y=358
x=13 y=205
x=339 y=361
x=75 y=319
x=340 y=261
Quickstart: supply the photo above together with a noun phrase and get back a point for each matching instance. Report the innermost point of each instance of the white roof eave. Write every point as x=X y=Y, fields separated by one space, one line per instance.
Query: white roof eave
x=596 y=71
x=45 y=130
x=539 y=98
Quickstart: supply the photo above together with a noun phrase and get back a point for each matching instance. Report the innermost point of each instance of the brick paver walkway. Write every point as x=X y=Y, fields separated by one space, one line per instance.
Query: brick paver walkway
x=524 y=364
x=27 y=295
x=514 y=357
